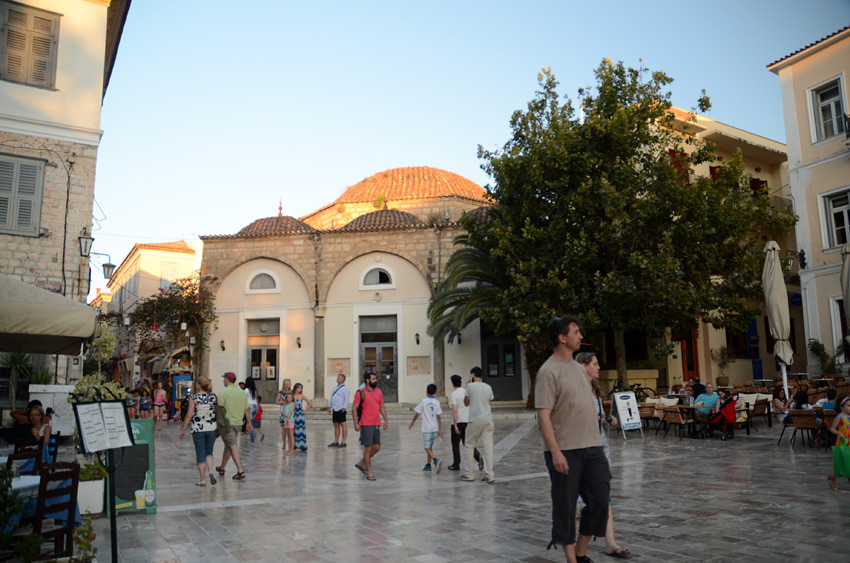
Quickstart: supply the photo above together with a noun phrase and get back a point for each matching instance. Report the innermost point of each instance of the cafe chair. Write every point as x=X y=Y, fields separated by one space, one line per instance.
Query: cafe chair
x=53 y=447
x=647 y=413
x=55 y=509
x=29 y=462
x=673 y=417
x=804 y=421
x=30 y=446
x=760 y=408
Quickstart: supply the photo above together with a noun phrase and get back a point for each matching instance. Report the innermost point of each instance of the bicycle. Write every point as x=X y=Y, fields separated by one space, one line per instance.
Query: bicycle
x=641 y=392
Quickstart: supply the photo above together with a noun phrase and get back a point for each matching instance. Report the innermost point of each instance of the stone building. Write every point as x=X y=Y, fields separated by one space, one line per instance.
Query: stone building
x=56 y=57
x=346 y=289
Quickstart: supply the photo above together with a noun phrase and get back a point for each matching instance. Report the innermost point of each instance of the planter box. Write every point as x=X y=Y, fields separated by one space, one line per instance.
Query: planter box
x=90 y=496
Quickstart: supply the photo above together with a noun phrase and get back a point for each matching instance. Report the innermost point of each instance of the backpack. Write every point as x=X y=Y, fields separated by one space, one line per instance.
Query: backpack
x=222 y=425
x=360 y=404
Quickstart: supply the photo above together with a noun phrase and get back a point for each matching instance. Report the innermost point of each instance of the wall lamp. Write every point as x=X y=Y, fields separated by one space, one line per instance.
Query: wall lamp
x=298 y=341
x=417 y=338
x=85 y=243
x=222 y=345
x=108 y=266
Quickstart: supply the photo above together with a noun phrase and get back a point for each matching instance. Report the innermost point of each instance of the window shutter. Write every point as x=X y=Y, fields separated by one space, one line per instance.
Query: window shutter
x=16 y=46
x=27 y=192
x=7 y=175
x=41 y=73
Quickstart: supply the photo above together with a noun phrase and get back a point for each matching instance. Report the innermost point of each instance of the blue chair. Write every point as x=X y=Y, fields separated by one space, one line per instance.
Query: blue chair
x=56 y=501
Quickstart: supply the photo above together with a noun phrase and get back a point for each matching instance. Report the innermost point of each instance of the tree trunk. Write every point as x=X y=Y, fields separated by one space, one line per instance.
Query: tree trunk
x=620 y=352
x=536 y=349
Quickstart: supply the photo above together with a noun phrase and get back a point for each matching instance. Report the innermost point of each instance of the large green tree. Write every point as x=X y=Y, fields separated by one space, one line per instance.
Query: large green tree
x=596 y=218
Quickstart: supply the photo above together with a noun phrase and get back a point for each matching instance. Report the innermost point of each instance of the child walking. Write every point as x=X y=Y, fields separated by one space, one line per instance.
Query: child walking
x=287 y=423
x=430 y=410
x=841 y=428
x=257 y=421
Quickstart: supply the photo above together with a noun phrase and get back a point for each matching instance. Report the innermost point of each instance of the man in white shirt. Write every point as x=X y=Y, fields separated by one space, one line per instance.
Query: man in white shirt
x=460 y=418
x=337 y=407
x=479 y=431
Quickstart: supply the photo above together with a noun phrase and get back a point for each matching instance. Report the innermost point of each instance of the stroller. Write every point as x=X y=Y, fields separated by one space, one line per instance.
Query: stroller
x=723 y=420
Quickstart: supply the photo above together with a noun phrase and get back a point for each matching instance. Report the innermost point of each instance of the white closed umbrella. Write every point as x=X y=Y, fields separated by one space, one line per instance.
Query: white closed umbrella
x=845 y=284
x=776 y=303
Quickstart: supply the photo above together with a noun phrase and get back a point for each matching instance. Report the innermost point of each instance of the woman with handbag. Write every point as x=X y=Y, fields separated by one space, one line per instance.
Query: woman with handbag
x=201 y=414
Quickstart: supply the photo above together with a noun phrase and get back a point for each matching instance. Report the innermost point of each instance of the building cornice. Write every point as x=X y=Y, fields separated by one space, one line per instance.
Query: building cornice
x=809 y=50
x=50 y=130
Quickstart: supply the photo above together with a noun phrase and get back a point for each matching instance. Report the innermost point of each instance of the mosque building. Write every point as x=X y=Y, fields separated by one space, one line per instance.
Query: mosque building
x=346 y=289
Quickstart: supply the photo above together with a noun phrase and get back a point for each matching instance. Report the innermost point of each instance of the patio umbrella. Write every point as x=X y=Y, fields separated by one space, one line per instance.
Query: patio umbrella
x=776 y=303
x=845 y=283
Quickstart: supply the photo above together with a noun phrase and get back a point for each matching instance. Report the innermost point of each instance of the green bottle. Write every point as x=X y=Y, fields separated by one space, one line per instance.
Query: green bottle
x=150 y=490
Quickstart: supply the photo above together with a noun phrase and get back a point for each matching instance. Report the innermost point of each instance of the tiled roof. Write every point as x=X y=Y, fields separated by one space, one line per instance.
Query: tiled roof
x=480 y=214
x=810 y=45
x=275 y=226
x=383 y=220
x=416 y=182
x=177 y=246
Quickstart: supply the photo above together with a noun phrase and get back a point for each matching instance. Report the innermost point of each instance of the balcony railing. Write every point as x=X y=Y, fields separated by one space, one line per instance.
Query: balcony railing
x=846 y=126
x=778 y=202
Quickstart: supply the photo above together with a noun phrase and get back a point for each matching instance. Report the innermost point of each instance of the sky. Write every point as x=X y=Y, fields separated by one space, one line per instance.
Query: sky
x=218 y=112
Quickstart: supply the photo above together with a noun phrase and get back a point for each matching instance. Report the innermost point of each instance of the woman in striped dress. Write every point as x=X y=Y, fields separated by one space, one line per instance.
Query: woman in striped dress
x=300 y=419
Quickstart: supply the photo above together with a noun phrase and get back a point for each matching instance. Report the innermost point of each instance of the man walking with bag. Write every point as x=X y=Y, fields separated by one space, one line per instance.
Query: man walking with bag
x=235 y=403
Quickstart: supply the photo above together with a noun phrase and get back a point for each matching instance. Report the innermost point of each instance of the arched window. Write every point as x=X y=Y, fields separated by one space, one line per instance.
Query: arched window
x=377 y=276
x=263 y=281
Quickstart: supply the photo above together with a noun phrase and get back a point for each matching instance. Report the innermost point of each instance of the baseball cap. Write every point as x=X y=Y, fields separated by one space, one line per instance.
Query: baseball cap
x=230 y=376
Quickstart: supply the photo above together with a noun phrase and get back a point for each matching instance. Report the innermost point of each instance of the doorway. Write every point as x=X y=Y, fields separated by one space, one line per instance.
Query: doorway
x=690 y=359
x=378 y=350
x=502 y=368
x=263 y=351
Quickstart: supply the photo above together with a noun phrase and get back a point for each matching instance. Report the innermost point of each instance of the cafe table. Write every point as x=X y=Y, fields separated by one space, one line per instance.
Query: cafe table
x=26 y=485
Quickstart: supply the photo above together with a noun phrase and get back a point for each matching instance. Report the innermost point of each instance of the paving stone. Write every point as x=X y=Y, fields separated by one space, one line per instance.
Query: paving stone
x=689 y=500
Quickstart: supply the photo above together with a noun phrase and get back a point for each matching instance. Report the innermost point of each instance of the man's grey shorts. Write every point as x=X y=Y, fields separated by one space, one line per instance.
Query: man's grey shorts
x=229 y=439
x=370 y=435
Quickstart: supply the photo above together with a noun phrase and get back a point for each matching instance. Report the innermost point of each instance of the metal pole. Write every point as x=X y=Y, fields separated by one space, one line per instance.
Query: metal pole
x=113 y=518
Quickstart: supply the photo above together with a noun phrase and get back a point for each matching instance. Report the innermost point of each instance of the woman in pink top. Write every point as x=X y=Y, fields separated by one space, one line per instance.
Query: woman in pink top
x=158 y=405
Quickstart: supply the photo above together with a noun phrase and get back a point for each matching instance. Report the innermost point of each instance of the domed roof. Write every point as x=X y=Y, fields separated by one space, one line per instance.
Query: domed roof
x=275 y=226
x=415 y=182
x=385 y=219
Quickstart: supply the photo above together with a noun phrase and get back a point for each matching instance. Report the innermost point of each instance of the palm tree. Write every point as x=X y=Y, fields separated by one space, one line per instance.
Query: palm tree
x=21 y=366
x=473 y=284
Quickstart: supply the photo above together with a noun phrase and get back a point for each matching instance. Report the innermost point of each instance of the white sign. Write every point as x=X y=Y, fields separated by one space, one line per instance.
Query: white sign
x=627 y=408
x=103 y=426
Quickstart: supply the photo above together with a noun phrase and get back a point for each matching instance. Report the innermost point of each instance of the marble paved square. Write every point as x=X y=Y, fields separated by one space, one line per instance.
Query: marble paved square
x=745 y=499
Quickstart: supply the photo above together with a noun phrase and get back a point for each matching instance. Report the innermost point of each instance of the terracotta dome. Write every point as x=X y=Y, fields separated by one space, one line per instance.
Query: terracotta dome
x=383 y=220
x=416 y=182
x=275 y=226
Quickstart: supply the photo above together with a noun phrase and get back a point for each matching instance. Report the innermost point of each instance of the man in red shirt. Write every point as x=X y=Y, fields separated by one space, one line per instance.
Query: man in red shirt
x=368 y=422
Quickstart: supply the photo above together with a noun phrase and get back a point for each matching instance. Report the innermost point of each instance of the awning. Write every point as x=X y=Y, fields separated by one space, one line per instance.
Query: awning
x=34 y=320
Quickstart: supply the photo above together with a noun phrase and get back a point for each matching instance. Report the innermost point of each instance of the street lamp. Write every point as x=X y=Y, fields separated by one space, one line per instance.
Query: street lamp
x=85 y=243
x=108 y=266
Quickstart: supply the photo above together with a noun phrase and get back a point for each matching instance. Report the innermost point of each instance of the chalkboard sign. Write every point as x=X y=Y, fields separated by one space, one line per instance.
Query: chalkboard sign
x=135 y=477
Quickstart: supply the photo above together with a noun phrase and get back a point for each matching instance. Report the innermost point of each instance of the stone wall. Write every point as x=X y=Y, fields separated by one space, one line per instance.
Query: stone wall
x=39 y=259
x=318 y=258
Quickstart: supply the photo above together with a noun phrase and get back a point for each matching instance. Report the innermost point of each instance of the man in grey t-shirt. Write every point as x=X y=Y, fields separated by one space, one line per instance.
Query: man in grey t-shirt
x=479 y=431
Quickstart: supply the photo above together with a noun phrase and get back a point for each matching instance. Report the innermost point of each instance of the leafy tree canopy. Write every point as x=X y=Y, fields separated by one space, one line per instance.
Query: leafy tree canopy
x=596 y=217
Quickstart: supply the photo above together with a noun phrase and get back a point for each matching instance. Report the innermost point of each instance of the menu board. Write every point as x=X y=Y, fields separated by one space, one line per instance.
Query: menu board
x=103 y=426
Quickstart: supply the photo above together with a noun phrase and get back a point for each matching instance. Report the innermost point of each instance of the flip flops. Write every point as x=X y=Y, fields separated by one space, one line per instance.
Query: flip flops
x=361 y=468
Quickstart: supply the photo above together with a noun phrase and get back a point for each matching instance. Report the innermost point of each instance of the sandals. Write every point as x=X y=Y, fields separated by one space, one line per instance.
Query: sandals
x=200 y=484
x=212 y=479
x=361 y=468
x=239 y=476
x=832 y=484
x=371 y=478
x=220 y=470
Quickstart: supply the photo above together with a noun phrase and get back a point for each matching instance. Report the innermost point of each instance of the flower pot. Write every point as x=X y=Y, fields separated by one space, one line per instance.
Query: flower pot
x=722 y=380
x=90 y=496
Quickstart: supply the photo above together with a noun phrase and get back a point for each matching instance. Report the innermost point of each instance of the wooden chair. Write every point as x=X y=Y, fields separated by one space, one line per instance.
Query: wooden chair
x=673 y=417
x=21 y=446
x=647 y=413
x=804 y=421
x=739 y=387
x=764 y=390
x=53 y=446
x=21 y=459
x=56 y=502
x=758 y=409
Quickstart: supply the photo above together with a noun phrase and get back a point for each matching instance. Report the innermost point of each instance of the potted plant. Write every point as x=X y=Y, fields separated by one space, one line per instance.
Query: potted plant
x=90 y=492
x=722 y=358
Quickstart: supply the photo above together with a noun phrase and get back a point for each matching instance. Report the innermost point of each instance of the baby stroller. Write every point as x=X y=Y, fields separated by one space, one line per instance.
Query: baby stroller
x=723 y=420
